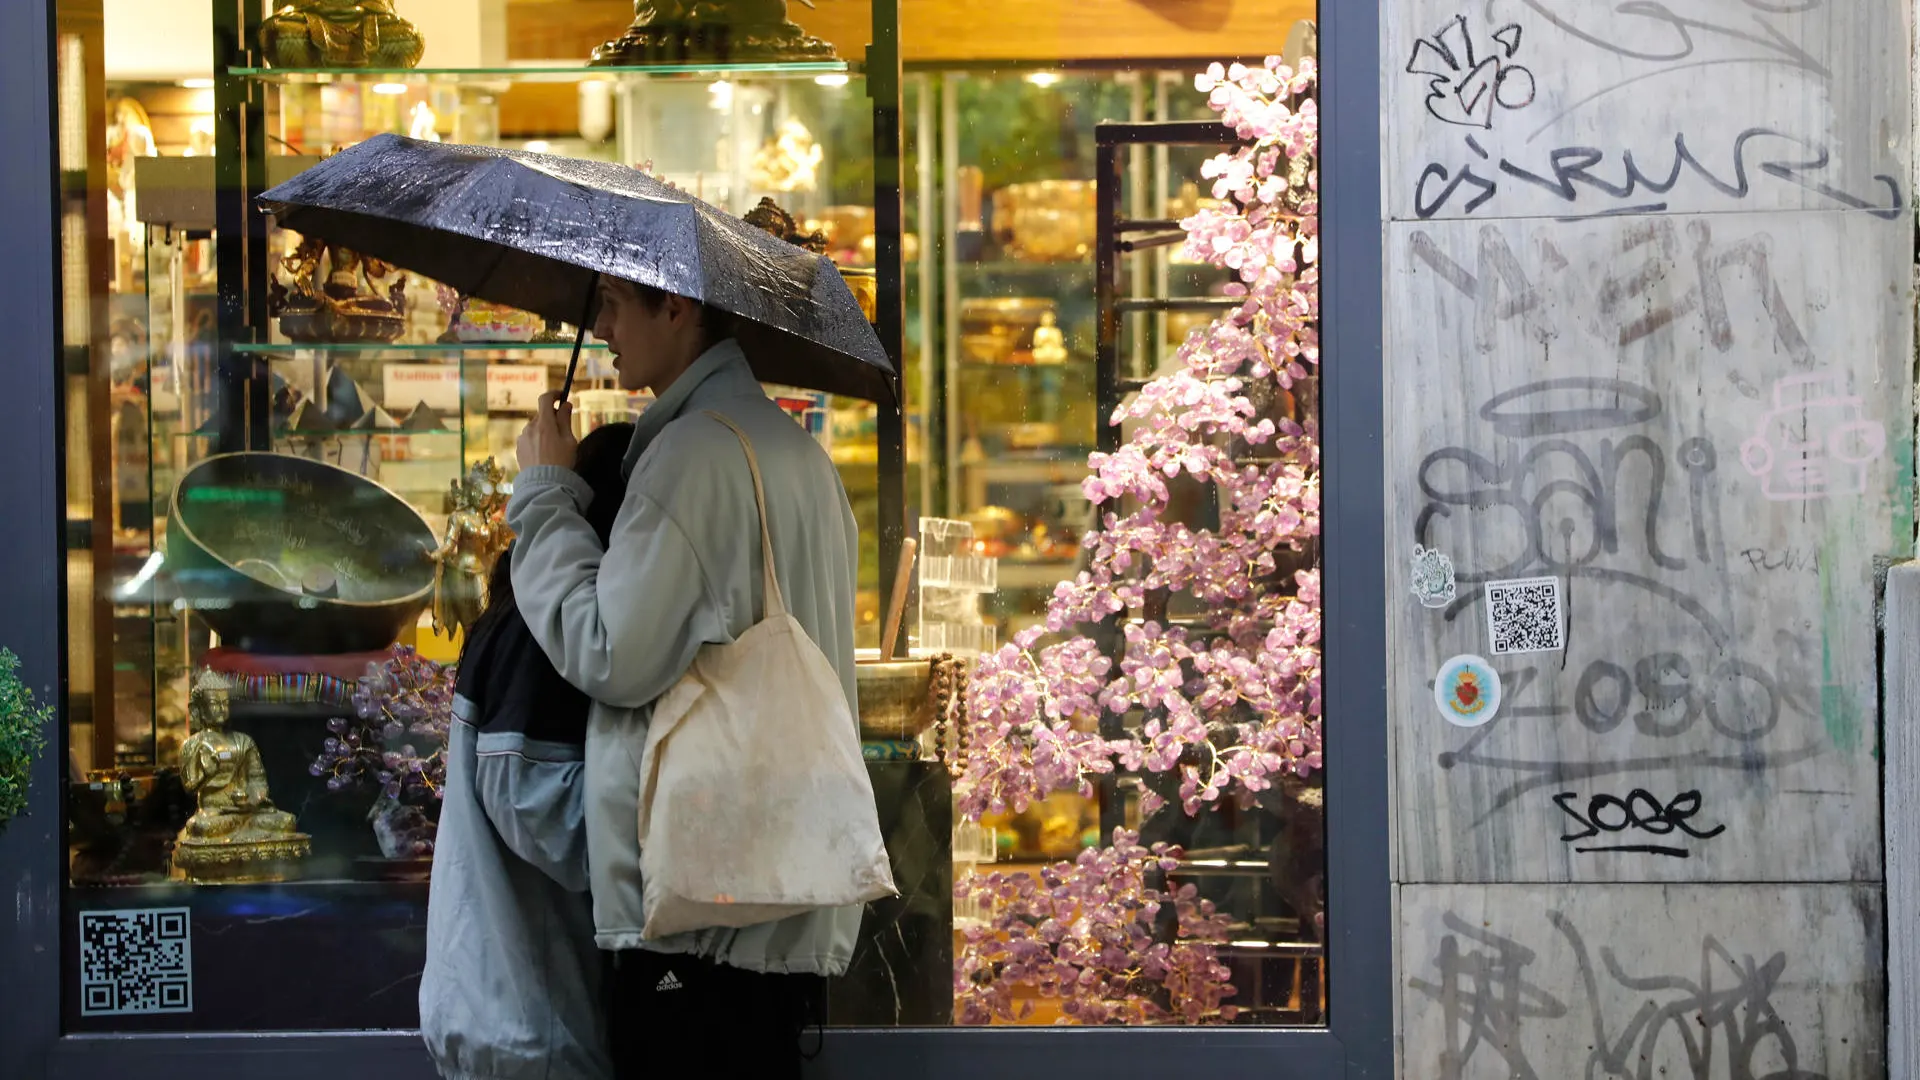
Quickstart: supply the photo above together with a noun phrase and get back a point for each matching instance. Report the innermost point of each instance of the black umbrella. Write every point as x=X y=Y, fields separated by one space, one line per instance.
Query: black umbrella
x=535 y=232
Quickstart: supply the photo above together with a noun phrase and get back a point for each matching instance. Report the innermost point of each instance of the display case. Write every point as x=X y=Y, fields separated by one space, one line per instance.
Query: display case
x=292 y=426
x=1042 y=334
x=1015 y=340
x=1012 y=275
x=205 y=365
x=151 y=351
x=246 y=370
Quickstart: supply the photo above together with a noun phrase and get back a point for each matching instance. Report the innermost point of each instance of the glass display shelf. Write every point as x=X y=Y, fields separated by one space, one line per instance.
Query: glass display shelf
x=160 y=885
x=800 y=133
x=1012 y=266
x=1016 y=573
x=338 y=433
x=1075 y=360
x=431 y=348
x=560 y=73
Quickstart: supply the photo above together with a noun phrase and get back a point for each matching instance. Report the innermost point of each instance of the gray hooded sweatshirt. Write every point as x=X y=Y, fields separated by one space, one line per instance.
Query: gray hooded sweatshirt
x=511 y=989
x=681 y=570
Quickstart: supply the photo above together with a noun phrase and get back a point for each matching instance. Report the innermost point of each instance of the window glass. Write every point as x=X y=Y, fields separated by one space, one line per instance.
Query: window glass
x=1098 y=768
x=1138 y=826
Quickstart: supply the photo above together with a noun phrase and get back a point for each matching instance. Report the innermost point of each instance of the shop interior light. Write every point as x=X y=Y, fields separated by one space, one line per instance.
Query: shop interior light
x=596 y=110
x=197 y=84
x=390 y=88
x=139 y=580
x=1044 y=78
x=422 y=123
x=538 y=146
x=838 y=78
x=1251 y=944
x=722 y=92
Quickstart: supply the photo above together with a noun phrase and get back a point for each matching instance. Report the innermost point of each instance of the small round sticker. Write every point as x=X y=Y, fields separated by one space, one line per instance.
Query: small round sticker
x=1467 y=691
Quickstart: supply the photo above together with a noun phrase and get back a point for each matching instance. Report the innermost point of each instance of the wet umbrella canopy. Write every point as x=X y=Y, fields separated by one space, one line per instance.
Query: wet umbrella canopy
x=535 y=232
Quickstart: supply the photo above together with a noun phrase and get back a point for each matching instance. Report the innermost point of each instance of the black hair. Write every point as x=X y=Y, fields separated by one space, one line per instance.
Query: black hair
x=600 y=461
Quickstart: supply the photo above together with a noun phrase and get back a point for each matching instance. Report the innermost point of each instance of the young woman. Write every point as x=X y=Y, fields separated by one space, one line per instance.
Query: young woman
x=512 y=987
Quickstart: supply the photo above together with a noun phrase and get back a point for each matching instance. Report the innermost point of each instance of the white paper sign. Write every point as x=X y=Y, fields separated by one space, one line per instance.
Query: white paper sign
x=407 y=385
x=515 y=387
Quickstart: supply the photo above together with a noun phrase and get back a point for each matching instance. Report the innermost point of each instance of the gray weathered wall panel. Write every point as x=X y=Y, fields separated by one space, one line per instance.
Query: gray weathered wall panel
x=1582 y=400
x=1707 y=982
x=1649 y=346
x=1518 y=108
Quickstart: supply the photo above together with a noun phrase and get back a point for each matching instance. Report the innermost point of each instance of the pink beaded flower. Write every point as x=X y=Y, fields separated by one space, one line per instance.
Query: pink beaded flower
x=1234 y=702
x=1222 y=706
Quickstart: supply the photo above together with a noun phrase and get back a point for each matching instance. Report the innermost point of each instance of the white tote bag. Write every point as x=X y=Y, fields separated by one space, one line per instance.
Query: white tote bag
x=754 y=800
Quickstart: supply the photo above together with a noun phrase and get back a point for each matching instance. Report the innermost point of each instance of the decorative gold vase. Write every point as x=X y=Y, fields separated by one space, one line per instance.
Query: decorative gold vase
x=865 y=285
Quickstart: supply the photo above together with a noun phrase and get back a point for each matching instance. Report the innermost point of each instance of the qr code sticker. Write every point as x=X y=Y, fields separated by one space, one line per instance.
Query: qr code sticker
x=136 y=962
x=1524 y=616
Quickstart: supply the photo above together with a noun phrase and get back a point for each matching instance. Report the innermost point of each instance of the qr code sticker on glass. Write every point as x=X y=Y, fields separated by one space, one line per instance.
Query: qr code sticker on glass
x=136 y=962
x=1524 y=616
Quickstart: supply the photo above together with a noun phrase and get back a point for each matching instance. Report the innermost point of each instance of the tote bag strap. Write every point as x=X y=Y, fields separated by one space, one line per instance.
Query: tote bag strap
x=775 y=603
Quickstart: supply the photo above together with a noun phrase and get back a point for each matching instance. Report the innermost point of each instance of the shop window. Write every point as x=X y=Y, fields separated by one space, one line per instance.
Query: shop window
x=1104 y=804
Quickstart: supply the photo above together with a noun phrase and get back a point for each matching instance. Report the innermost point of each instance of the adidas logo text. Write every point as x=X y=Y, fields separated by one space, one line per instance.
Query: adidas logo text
x=670 y=982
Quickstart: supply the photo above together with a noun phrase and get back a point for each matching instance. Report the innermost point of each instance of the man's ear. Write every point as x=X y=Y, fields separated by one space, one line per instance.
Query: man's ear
x=679 y=307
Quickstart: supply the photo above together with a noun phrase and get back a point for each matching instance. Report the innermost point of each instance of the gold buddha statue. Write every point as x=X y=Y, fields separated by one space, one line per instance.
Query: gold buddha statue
x=340 y=33
x=236 y=834
x=475 y=537
x=1049 y=344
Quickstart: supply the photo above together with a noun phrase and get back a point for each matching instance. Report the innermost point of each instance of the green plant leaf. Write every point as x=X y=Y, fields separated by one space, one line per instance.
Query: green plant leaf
x=22 y=724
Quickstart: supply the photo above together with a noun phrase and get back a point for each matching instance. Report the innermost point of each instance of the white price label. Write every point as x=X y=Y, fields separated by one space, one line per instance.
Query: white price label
x=515 y=387
x=407 y=385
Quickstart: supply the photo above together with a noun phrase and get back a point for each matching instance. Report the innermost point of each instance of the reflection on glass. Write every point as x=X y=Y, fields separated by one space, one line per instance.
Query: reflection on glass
x=383 y=400
x=1138 y=833
x=1142 y=844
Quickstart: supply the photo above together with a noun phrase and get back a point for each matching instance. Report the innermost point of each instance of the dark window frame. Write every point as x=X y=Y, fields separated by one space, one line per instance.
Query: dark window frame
x=1359 y=1041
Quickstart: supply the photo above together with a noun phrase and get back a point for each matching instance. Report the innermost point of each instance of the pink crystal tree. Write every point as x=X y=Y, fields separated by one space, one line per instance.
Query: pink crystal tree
x=1221 y=708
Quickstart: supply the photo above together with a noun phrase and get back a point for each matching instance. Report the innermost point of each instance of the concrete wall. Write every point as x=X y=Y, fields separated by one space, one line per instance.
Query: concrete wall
x=1650 y=314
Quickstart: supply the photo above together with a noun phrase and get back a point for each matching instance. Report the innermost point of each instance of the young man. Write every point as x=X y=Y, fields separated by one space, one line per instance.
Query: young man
x=623 y=621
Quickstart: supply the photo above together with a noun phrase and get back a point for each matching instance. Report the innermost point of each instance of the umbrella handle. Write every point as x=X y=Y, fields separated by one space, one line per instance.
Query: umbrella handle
x=579 y=338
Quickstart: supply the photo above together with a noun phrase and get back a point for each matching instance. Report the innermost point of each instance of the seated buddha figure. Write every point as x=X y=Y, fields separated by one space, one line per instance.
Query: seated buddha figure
x=235 y=833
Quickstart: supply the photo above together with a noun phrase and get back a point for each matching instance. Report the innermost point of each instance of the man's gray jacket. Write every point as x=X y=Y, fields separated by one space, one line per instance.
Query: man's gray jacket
x=681 y=570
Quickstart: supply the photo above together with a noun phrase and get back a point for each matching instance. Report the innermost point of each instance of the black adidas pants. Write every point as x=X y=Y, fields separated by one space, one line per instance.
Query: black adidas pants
x=725 y=1022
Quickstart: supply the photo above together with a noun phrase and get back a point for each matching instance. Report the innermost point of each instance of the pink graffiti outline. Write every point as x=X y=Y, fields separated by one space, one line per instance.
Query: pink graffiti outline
x=1809 y=471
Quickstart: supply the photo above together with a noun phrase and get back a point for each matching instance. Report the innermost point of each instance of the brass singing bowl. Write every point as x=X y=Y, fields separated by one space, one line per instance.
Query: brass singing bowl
x=285 y=555
x=993 y=329
x=896 y=700
x=1046 y=220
